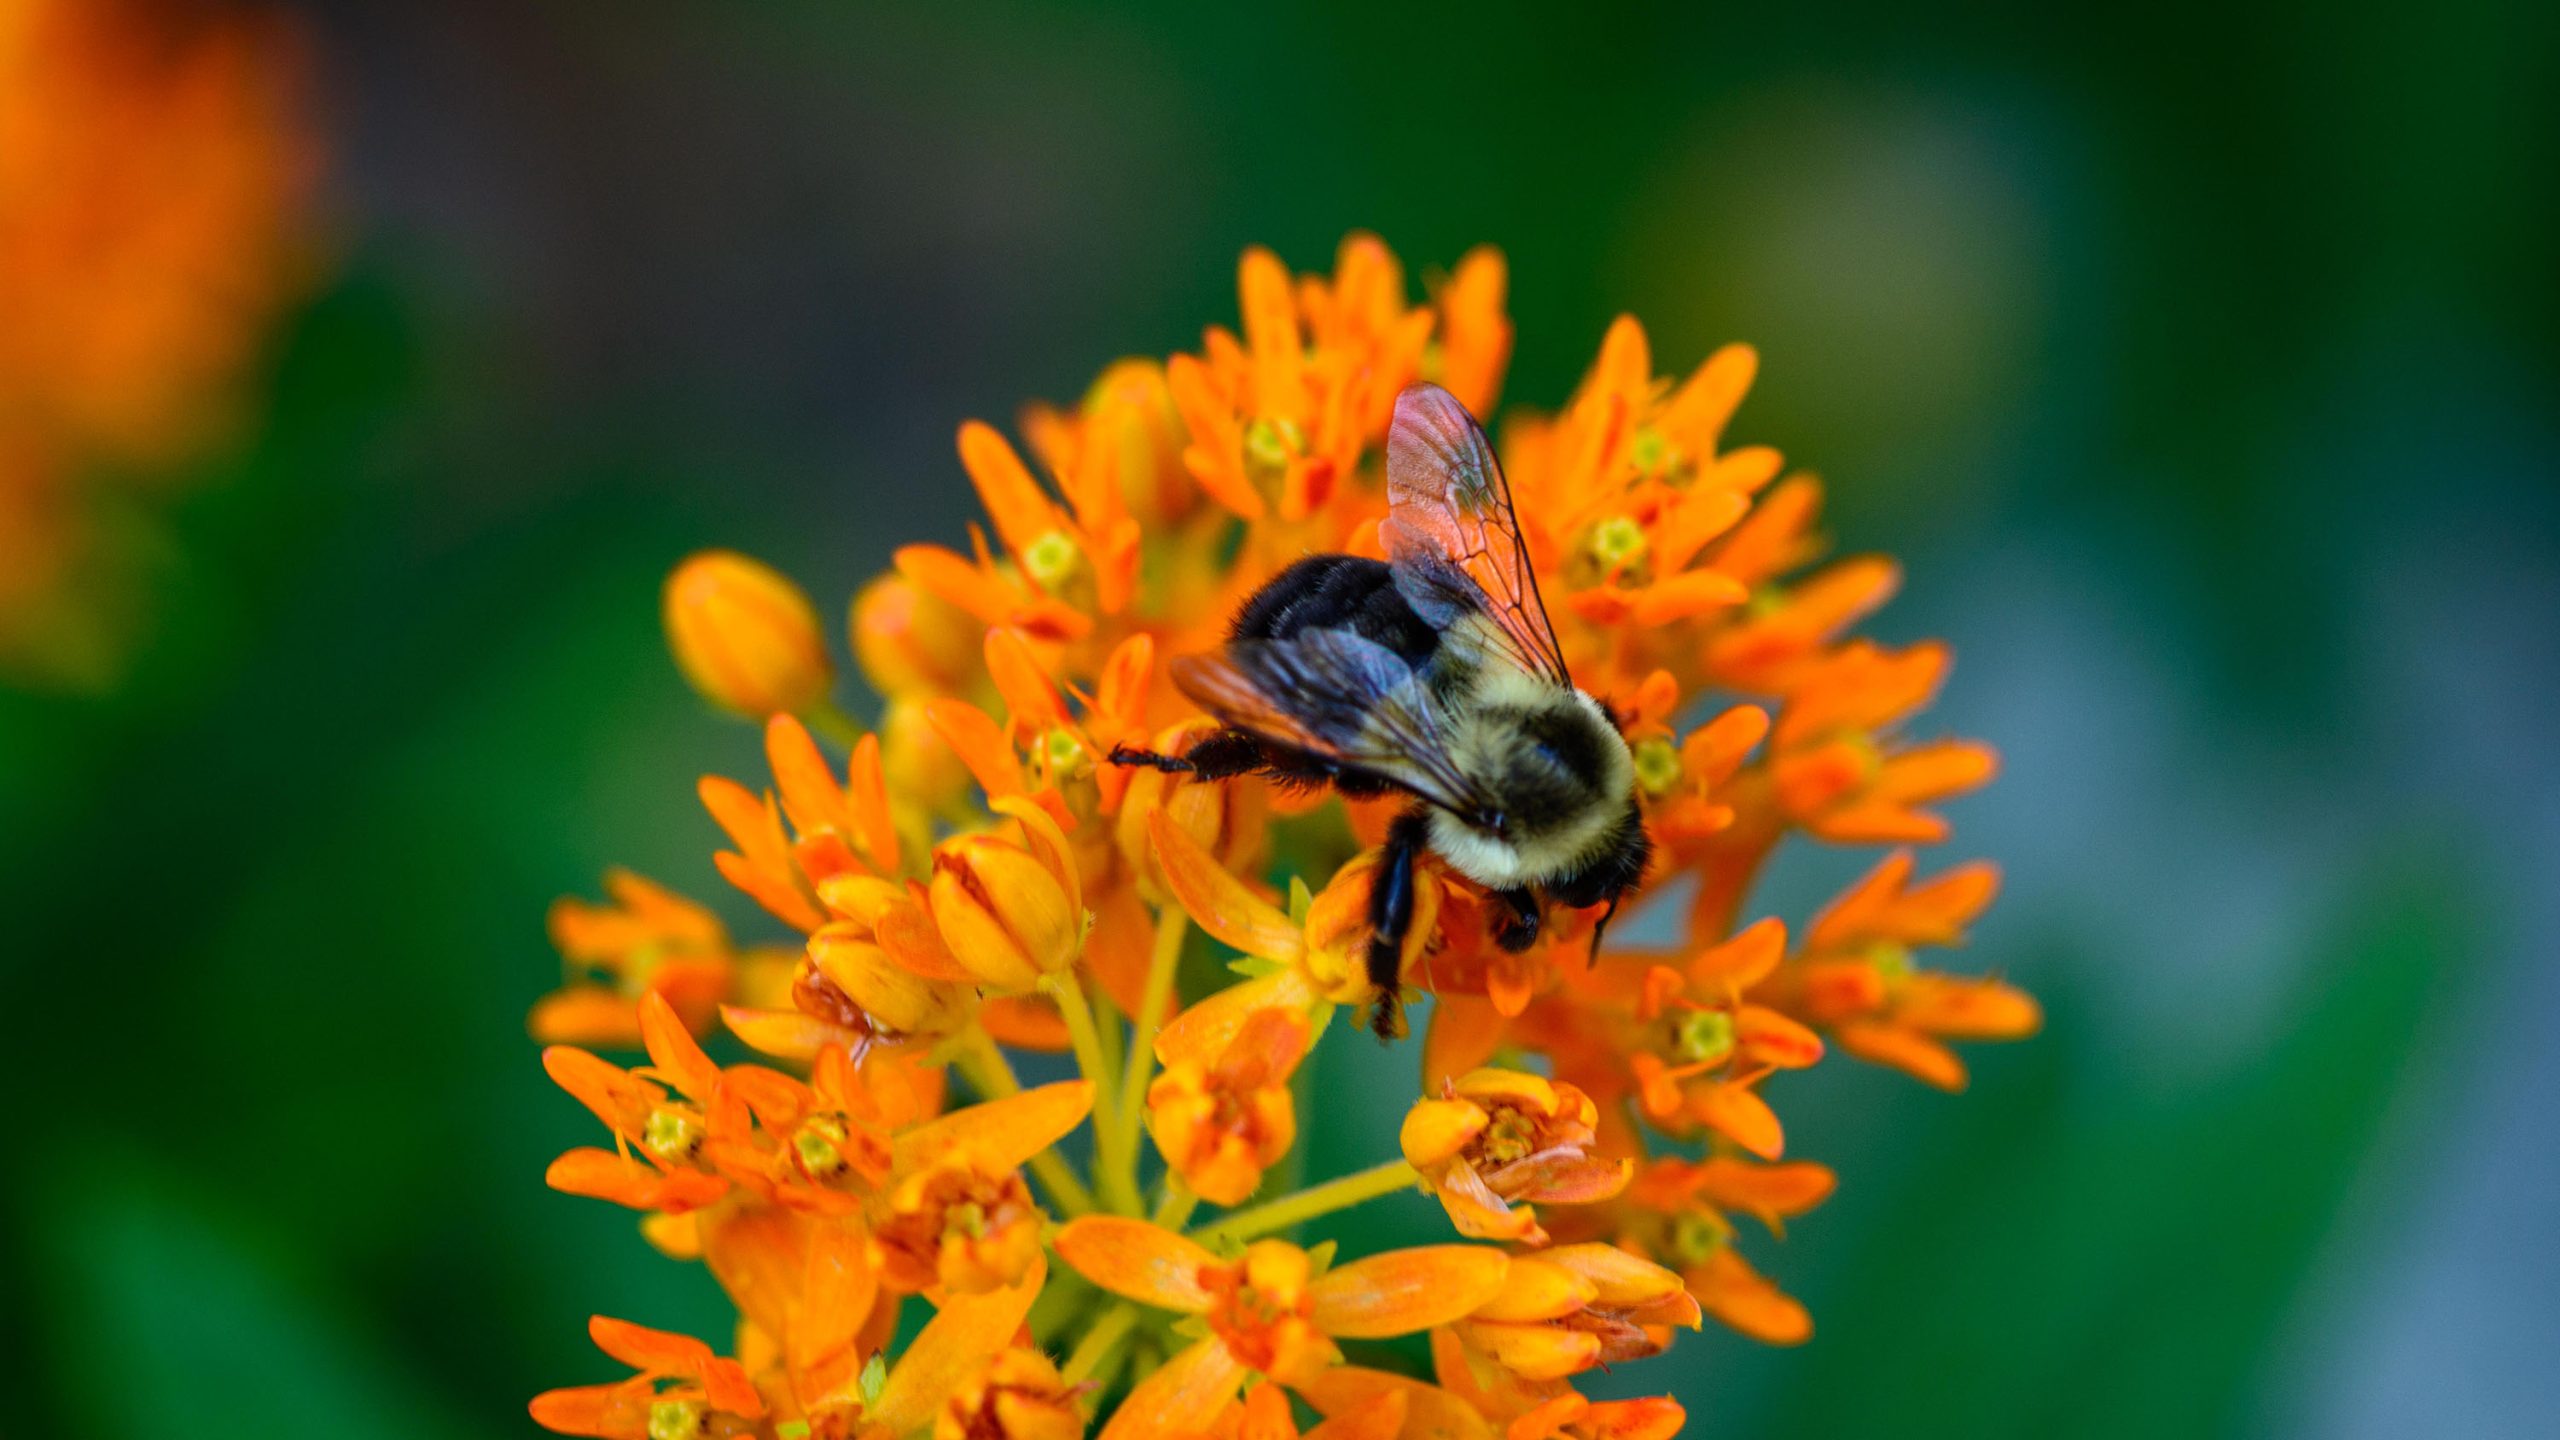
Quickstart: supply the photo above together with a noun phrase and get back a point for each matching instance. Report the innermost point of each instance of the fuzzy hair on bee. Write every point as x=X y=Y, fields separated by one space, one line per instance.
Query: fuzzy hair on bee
x=1433 y=674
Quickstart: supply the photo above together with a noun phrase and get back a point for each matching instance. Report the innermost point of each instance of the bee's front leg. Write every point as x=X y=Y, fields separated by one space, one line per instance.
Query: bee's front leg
x=1215 y=757
x=1518 y=930
x=1391 y=919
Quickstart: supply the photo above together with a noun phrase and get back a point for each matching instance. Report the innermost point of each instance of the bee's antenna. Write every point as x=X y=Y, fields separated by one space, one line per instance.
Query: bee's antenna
x=1600 y=926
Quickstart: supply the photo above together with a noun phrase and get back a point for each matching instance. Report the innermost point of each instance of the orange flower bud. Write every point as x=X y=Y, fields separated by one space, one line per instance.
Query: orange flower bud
x=1010 y=915
x=744 y=635
x=929 y=772
x=1018 y=1395
x=1563 y=1311
x=895 y=999
x=1129 y=416
x=911 y=642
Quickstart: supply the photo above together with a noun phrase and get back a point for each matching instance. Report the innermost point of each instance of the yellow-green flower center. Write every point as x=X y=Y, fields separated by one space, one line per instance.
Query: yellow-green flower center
x=1269 y=445
x=1696 y=1235
x=1509 y=1137
x=675 y=1419
x=1618 y=543
x=967 y=1218
x=1702 y=1037
x=1657 y=766
x=1651 y=449
x=1053 y=559
x=671 y=1134
x=819 y=1143
x=1892 y=961
x=1063 y=752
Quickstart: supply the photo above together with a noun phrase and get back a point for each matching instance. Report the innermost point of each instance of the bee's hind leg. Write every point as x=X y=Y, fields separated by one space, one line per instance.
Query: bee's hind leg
x=1391 y=918
x=1216 y=757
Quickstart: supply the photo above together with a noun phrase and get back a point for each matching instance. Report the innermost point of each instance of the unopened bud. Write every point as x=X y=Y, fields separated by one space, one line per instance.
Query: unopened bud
x=744 y=635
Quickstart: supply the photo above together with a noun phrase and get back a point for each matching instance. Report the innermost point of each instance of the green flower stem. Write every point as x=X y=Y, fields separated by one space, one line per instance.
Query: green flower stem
x=1115 y=1174
x=1100 y=1341
x=1353 y=1189
x=1106 y=1023
x=991 y=1075
x=828 y=718
x=1173 y=1211
x=1152 y=1003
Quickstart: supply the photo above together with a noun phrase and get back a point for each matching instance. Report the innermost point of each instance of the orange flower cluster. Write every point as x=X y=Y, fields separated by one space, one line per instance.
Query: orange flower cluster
x=154 y=169
x=973 y=881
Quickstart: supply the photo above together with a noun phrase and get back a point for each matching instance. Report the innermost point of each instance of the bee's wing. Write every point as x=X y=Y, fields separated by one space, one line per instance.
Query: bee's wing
x=1334 y=694
x=1452 y=534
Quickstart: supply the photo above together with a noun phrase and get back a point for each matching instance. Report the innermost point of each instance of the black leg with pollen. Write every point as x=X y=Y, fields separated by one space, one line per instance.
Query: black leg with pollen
x=1391 y=918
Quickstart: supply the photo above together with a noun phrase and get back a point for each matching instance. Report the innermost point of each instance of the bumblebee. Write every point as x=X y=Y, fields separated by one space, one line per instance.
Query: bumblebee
x=1433 y=674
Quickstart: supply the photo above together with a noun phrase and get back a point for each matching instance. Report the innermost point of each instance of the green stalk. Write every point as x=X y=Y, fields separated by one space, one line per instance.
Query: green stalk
x=1115 y=1174
x=1099 y=1342
x=1356 y=1188
x=828 y=718
x=1152 y=1003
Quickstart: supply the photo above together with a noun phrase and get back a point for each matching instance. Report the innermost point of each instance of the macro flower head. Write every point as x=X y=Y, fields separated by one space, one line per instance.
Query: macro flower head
x=1036 y=845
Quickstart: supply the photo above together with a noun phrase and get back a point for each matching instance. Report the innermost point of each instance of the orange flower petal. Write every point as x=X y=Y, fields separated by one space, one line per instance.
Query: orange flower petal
x=1465 y=1032
x=1906 y=1050
x=980 y=744
x=1173 y=1401
x=657 y=1351
x=604 y=1411
x=1770 y=1038
x=1001 y=1133
x=953 y=1345
x=1032 y=702
x=1618 y=1277
x=1021 y=510
x=1435 y=1130
x=784 y=1034
x=1734 y=1293
x=1025 y=1022
x=1380 y=1417
x=1656 y=1417
x=1538 y=1289
x=867 y=799
x=1745 y=960
x=1968 y=1009
x=1217 y=899
x=1535 y=1352
x=1402 y=1291
x=1204 y=1031
x=1431 y=1413
x=1685 y=595
x=1766 y=1191
x=1738 y=1113
x=672 y=1051
x=1143 y=1262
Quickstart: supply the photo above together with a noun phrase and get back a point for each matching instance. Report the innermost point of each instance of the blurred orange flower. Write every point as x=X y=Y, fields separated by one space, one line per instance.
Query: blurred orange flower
x=155 y=175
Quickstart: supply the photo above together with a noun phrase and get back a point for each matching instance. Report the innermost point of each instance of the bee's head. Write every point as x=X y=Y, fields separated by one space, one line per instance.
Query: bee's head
x=1610 y=868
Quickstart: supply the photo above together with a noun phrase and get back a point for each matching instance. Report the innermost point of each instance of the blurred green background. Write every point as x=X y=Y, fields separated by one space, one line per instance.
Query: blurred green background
x=2195 y=358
